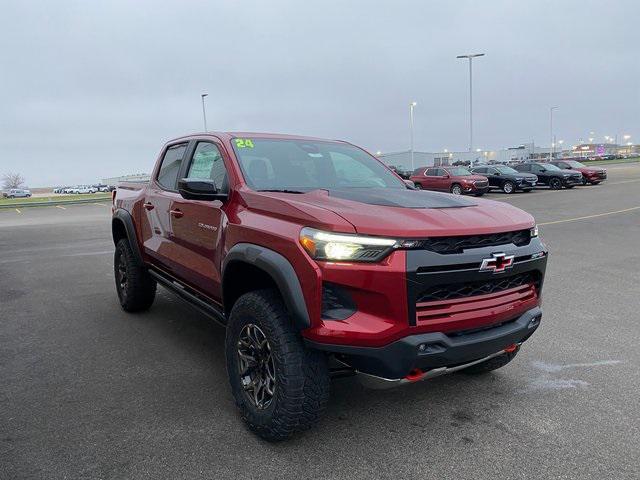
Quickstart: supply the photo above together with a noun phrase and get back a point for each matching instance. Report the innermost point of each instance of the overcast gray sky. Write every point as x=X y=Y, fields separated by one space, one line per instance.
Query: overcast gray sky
x=92 y=89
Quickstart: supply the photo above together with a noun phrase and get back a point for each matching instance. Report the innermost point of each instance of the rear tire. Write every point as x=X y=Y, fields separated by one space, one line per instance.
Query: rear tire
x=280 y=386
x=456 y=189
x=136 y=288
x=491 y=364
x=555 y=184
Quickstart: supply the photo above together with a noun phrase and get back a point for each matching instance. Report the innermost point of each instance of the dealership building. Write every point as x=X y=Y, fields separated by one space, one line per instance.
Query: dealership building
x=134 y=177
x=526 y=151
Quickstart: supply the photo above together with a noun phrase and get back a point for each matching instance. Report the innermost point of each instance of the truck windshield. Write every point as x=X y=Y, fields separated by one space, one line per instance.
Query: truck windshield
x=301 y=165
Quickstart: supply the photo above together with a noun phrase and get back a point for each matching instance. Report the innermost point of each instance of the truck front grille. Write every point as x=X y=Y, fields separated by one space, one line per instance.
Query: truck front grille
x=451 y=306
x=462 y=290
x=451 y=245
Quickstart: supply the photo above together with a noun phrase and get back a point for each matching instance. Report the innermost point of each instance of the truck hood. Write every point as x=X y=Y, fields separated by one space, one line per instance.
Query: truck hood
x=412 y=213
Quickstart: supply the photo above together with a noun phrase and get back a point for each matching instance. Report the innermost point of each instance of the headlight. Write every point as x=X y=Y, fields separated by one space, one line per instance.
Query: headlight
x=534 y=231
x=340 y=246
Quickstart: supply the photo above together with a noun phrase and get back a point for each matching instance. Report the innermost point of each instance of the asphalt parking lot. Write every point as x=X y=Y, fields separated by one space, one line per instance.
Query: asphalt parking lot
x=88 y=391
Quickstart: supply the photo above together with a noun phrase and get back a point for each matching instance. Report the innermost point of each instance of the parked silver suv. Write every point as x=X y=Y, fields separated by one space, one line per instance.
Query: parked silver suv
x=17 y=193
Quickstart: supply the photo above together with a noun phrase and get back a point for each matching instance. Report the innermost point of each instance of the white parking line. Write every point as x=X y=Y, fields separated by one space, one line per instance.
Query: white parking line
x=61 y=207
x=100 y=204
x=590 y=216
x=17 y=210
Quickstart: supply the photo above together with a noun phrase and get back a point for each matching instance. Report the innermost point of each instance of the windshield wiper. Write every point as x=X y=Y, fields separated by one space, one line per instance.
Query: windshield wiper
x=280 y=190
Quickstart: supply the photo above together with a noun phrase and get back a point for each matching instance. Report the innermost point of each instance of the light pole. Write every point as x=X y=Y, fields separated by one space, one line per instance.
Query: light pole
x=411 y=107
x=551 y=131
x=471 y=56
x=204 y=113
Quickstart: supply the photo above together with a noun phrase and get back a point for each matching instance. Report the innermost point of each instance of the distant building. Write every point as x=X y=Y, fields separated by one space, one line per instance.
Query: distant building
x=134 y=177
x=585 y=150
x=522 y=152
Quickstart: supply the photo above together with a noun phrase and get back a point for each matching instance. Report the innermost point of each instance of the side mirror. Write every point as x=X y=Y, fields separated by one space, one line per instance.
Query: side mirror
x=199 y=189
x=568 y=167
x=410 y=184
x=543 y=170
x=446 y=175
x=497 y=173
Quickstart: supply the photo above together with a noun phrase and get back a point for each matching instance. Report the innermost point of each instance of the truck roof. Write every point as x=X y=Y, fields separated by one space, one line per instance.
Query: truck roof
x=232 y=135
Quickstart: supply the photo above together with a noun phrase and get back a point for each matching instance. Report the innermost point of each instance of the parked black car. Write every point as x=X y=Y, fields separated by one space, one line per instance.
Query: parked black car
x=551 y=175
x=402 y=172
x=506 y=178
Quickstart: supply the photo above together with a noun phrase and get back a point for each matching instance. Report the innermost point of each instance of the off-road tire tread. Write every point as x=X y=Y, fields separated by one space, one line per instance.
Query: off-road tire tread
x=141 y=287
x=302 y=388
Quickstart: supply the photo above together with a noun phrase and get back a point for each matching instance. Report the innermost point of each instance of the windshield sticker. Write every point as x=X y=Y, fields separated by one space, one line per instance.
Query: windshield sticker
x=244 y=143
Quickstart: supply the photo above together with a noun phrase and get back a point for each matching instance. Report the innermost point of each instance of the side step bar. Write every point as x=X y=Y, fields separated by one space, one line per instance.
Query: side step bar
x=191 y=297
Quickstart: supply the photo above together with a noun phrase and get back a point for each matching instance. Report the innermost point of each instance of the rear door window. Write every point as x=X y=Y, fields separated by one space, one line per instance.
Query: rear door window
x=170 y=166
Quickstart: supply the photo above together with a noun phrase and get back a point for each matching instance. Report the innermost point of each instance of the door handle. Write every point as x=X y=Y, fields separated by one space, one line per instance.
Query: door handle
x=176 y=213
x=148 y=206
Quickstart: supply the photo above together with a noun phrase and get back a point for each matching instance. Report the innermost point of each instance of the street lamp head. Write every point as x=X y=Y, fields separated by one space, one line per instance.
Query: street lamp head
x=413 y=104
x=471 y=55
x=204 y=95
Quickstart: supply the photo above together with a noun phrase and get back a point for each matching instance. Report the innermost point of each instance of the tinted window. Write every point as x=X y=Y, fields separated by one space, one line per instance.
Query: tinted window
x=207 y=164
x=168 y=174
x=459 y=171
x=479 y=170
x=523 y=168
x=431 y=172
x=506 y=170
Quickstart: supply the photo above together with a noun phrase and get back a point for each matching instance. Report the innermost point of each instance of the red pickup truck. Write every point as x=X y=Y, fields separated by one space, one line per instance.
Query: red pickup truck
x=320 y=261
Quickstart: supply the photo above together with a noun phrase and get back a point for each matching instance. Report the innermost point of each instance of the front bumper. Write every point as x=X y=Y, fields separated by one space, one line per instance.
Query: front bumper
x=430 y=351
x=572 y=181
x=472 y=189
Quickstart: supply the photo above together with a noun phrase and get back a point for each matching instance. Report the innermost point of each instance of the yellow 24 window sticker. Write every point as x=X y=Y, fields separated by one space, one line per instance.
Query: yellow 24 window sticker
x=244 y=143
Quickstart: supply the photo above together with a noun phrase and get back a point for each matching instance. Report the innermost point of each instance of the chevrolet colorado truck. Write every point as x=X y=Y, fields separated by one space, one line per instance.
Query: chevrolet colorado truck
x=320 y=261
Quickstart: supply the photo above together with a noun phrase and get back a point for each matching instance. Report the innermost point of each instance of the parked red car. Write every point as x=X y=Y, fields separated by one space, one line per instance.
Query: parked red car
x=589 y=174
x=457 y=180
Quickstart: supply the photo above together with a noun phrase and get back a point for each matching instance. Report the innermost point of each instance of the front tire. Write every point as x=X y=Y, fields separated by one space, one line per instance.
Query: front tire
x=280 y=386
x=555 y=184
x=136 y=288
x=508 y=187
x=456 y=189
x=418 y=186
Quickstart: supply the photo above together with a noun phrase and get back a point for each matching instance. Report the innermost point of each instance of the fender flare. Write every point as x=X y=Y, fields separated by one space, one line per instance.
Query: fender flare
x=280 y=270
x=124 y=217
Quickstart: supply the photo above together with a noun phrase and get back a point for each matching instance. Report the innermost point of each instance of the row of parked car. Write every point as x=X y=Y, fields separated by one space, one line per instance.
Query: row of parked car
x=521 y=177
x=79 y=189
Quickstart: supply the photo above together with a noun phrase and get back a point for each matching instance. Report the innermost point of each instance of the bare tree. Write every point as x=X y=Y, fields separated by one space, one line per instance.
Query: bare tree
x=12 y=180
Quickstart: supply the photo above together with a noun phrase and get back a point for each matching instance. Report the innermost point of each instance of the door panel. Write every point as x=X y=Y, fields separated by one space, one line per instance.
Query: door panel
x=156 y=224
x=197 y=226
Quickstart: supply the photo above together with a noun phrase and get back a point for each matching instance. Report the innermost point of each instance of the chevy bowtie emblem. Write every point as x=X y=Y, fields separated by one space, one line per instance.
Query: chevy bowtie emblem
x=498 y=262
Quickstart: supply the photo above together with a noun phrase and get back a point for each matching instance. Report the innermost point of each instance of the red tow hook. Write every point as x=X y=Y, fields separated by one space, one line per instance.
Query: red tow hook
x=511 y=348
x=415 y=375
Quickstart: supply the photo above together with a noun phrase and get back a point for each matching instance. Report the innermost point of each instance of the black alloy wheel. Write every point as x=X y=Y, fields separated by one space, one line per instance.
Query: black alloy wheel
x=256 y=366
